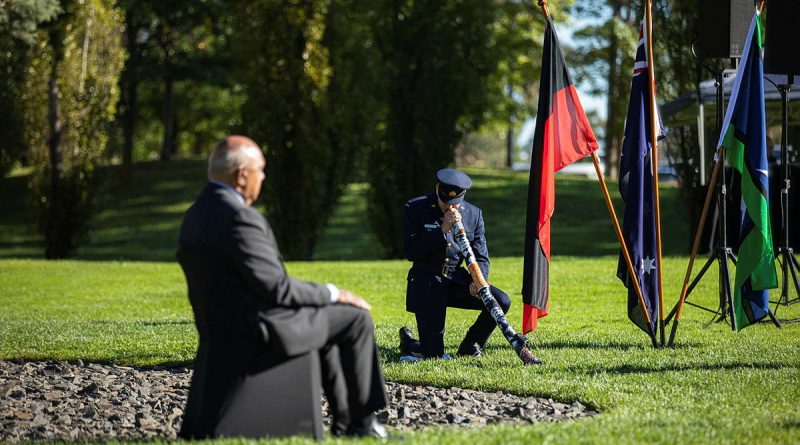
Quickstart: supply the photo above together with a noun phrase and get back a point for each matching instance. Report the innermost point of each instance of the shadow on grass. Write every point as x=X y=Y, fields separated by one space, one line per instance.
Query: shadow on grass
x=157 y=365
x=139 y=220
x=135 y=221
x=623 y=346
x=638 y=369
x=393 y=353
x=168 y=365
x=167 y=322
x=142 y=322
x=561 y=344
x=790 y=424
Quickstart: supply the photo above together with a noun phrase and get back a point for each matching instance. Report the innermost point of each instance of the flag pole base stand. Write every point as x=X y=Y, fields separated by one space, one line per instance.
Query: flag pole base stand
x=721 y=255
x=671 y=343
x=790 y=269
x=773 y=319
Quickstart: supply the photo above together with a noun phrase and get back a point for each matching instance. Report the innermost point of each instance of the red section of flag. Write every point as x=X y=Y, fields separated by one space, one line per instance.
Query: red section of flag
x=568 y=137
x=567 y=131
x=531 y=316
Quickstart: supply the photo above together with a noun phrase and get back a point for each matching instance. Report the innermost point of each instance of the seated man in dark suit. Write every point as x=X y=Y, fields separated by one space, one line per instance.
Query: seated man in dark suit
x=249 y=299
x=437 y=279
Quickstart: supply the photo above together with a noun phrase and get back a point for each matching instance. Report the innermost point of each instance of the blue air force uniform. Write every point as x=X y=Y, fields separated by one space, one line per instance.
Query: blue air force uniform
x=437 y=278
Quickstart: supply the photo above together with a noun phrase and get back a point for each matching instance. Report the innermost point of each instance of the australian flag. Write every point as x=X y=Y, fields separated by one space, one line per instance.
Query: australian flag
x=636 y=188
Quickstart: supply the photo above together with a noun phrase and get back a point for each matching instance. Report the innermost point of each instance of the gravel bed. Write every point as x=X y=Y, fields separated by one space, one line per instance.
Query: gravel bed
x=76 y=401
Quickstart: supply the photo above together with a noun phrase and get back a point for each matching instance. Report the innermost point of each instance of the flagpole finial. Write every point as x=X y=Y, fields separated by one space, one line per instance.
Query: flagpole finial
x=543 y=5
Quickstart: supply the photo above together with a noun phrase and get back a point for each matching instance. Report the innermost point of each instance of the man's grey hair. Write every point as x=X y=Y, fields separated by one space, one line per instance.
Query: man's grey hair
x=229 y=155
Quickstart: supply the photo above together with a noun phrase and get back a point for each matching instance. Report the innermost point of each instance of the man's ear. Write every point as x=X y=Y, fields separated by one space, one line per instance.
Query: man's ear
x=241 y=177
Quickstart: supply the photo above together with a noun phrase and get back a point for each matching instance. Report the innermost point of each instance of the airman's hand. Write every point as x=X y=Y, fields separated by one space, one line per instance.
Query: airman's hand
x=450 y=217
x=347 y=297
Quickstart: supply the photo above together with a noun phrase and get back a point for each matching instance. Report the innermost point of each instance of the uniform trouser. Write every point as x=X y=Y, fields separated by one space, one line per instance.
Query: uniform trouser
x=351 y=372
x=431 y=327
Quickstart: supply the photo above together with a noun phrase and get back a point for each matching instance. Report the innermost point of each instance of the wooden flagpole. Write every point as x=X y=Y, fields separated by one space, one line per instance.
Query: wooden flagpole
x=696 y=245
x=543 y=5
x=617 y=229
x=624 y=246
x=654 y=162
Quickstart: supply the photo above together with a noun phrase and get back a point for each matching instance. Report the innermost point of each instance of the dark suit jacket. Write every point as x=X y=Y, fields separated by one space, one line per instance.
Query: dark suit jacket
x=241 y=296
x=241 y=283
x=430 y=251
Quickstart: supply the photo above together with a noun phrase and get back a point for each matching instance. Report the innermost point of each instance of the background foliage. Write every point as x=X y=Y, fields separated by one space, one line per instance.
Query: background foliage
x=18 y=34
x=379 y=94
x=67 y=118
x=312 y=104
x=437 y=57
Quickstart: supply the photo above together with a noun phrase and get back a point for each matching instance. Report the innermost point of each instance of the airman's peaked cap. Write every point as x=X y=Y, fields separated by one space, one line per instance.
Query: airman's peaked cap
x=453 y=185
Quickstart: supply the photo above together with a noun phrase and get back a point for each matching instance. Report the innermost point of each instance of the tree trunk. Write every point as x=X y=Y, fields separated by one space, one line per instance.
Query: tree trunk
x=510 y=144
x=510 y=130
x=200 y=145
x=168 y=142
x=55 y=246
x=612 y=138
x=129 y=124
x=130 y=96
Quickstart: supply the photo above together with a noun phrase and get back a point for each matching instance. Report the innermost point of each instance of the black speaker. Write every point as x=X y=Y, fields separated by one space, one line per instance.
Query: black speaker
x=723 y=27
x=781 y=45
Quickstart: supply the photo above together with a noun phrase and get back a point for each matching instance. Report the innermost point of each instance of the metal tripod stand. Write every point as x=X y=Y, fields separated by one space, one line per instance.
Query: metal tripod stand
x=721 y=253
x=790 y=267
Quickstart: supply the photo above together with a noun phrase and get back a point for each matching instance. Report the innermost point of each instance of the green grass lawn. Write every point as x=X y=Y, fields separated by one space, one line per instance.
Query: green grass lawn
x=716 y=386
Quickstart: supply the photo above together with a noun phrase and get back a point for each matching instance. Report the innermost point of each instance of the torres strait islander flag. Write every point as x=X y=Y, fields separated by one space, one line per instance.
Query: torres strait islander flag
x=744 y=136
x=562 y=136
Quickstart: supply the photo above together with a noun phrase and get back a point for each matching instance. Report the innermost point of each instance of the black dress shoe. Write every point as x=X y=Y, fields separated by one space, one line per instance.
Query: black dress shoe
x=469 y=350
x=338 y=429
x=406 y=341
x=373 y=429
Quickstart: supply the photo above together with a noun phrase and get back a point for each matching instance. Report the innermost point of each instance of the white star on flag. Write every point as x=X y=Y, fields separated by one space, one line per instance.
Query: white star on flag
x=648 y=265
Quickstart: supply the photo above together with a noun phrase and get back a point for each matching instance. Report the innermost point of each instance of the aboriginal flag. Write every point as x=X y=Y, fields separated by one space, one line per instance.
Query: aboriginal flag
x=744 y=136
x=562 y=136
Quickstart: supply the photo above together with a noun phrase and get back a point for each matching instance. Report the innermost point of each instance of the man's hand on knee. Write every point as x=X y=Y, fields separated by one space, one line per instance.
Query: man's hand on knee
x=347 y=297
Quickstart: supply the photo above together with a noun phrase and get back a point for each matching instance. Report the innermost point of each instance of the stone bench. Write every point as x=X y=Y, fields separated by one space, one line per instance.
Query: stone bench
x=282 y=399
x=272 y=398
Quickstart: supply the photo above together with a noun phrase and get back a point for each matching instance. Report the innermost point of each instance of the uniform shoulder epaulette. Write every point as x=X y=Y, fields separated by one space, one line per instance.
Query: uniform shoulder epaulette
x=468 y=205
x=412 y=200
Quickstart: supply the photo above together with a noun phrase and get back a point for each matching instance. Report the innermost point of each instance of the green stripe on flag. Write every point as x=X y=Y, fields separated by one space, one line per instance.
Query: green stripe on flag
x=756 y=257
